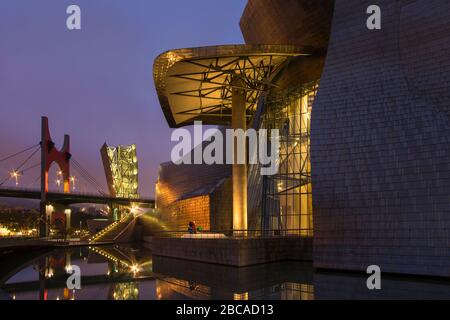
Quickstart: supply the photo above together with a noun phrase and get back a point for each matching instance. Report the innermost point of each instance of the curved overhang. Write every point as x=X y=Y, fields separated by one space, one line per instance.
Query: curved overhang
x=300 y=22
x=197 y=83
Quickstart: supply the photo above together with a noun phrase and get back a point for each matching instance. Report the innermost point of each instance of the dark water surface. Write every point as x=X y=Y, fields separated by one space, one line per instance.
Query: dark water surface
x=128 y=272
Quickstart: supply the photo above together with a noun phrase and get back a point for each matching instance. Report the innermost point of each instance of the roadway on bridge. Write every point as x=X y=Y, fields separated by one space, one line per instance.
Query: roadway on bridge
x=73 y=198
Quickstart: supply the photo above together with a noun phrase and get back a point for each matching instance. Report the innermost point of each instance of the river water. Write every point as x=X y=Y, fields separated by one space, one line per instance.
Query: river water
x=127 y=272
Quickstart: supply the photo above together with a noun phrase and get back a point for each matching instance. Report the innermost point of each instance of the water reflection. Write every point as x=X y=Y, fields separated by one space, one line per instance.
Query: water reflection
x=124 y=291
x=131 y=273
x=119 y=272
x=192 y=280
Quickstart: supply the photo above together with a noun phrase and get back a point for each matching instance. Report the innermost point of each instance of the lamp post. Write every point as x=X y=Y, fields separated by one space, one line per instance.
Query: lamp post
x=16 y=175
x=72 y=179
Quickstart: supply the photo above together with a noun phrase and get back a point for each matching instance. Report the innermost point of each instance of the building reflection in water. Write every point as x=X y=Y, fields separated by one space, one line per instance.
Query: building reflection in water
x=193 y=280
x=175 y=289
x=124 y=291
x=106 y=273
x=128 y=273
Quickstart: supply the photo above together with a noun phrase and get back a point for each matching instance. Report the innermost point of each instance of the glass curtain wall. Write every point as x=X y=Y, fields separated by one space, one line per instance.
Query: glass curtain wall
x=124 y=170
x=287 y=196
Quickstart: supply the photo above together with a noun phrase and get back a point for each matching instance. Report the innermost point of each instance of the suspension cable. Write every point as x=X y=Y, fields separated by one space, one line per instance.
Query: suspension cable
x=87 y=176
x=23 y=163
x=19 y=153
x=77 y=166
x=89 y=182
x=35 y=180
x=27 y=159
x=6 y=179
x=30 y=167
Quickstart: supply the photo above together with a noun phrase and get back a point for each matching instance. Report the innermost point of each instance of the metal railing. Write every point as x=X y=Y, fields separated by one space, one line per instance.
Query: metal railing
x=236 y=234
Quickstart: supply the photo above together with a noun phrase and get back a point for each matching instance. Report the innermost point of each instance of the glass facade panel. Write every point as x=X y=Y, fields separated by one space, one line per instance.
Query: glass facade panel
x=121 y=169
x=287 y=206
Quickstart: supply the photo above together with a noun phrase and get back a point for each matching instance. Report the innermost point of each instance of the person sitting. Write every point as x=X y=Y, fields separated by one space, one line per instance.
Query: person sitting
x=192 y=229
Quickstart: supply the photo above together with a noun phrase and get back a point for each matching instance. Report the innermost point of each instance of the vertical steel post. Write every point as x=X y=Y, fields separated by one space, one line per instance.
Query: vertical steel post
x=239 y=174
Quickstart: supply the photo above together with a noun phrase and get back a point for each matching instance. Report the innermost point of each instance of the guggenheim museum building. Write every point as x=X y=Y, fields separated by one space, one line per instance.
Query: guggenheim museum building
x=364 y=123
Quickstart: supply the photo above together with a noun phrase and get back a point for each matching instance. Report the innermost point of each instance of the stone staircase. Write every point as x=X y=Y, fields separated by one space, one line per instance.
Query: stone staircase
x=113 y=231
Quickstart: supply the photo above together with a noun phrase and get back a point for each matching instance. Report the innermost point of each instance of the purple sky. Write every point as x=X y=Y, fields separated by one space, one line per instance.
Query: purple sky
x=96 y=84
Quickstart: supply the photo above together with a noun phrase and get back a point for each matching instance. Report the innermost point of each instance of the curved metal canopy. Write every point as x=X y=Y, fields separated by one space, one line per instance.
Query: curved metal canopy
x=196 y=84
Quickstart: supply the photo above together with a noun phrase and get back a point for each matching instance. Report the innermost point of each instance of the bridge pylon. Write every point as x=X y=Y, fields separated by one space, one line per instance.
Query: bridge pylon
x=49 y=155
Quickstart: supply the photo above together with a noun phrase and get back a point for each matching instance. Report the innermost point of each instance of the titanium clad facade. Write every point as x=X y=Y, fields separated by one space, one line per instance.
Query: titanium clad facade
x=380 y=129
x=380 y=141
x=373 y=165
x=199 y=193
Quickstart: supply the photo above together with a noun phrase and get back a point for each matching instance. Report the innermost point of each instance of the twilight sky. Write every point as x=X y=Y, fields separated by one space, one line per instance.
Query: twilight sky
x=96 y=84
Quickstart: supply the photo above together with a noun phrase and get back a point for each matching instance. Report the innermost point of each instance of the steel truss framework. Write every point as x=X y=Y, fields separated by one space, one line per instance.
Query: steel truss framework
x=288 y=194
x=197 y=84
x=221 y=73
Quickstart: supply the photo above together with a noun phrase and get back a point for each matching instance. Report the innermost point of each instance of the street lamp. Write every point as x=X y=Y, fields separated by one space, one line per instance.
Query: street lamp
x=15 y=175
x=72 y=179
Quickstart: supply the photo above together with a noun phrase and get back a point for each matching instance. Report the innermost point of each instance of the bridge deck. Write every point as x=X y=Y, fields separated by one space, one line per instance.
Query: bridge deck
x=72 y=198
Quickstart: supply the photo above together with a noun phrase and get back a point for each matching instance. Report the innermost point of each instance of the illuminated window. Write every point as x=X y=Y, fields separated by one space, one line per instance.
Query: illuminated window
x=288 y=194
x=121 y=169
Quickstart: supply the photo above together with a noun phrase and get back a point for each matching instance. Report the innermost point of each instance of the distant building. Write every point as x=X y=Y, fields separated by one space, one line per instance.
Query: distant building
x=121 y=170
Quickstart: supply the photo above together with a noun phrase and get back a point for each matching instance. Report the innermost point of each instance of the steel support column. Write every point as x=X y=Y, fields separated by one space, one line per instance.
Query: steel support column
x=239 y=170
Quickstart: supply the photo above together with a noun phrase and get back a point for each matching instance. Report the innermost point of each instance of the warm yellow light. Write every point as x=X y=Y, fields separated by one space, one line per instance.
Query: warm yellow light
x=4 y=231
x=240 y=296
x=134 y=209
x=15 y=175
x=49 y=273
x=280 y=186
x=135 y=268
